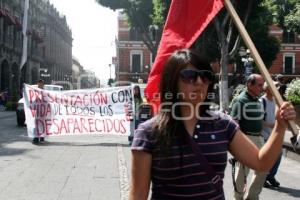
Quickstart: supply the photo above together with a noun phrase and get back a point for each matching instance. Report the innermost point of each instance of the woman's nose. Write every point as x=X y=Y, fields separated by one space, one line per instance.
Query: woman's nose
x=199 y=80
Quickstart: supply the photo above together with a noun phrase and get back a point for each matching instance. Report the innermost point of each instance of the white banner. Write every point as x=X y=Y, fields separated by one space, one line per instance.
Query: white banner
x=75 y=112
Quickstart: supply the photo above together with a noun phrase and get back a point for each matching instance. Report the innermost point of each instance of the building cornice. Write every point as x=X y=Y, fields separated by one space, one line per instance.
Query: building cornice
x=276 y=32
x=290 y=45
x=128 y=73
x=124 y=29
x=131 y=45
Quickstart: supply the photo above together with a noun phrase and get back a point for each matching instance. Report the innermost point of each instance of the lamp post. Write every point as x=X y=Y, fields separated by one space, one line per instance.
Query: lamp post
x=110 y=80
x=109 y=71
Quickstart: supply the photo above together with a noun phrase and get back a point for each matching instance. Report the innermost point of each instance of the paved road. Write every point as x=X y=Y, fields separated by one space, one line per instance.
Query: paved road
x=87 y=168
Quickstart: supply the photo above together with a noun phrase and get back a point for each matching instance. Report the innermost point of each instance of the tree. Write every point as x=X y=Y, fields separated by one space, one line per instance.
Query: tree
x=147 y=16
x=286 y=14
x=220 y=39
x=292 y=20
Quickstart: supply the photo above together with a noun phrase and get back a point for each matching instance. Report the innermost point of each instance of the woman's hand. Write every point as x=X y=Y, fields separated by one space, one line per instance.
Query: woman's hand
x=285 y=113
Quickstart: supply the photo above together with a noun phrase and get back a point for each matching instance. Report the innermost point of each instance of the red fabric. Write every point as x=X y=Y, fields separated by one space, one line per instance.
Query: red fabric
x=185 y=22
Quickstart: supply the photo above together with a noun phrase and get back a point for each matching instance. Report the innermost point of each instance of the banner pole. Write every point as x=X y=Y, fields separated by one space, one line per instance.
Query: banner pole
x=259 y=62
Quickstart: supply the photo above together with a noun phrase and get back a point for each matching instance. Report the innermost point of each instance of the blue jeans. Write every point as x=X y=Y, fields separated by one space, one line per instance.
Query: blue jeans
x=274 y=169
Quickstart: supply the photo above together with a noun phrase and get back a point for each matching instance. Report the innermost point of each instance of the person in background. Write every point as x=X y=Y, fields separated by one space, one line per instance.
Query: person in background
x=164 y=148
x=269 y=105
x=251 y=125
x=134 y=114
x=281 y=85
x=137 y=102
x=1 y=98
x=36 y=140
x=4 y=96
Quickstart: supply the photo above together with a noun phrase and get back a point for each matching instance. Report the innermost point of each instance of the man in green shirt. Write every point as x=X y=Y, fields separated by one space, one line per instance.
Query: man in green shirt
x=248 y=112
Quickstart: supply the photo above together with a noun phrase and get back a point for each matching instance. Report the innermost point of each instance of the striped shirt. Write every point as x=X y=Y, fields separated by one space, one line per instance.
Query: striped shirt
x=177 y=174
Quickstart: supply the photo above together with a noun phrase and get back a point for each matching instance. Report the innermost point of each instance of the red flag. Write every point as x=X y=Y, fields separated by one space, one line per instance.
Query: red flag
x=185 y=22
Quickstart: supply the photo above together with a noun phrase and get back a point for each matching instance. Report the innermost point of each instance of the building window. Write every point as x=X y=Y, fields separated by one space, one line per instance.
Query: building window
x=136 y=61
x=289 y=63
x=135 y=34
x=288 y=36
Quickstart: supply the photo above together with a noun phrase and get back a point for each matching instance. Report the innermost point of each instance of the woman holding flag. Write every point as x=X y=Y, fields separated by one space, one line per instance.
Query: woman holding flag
x=183 y=150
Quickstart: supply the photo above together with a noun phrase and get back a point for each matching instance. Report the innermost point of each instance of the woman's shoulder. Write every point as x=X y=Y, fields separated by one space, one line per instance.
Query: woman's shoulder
x=218 y=116
x=149 y=124
x=144 y=136
x=223 y=123
x=146 y=129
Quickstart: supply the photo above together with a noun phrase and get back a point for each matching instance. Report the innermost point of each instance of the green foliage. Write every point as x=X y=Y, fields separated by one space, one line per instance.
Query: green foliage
x=267 y=46
x=286 y=13
x=258 y=27
x=141 y=15
x=292 y=20
x=292 y=92
x=114 y=4
x=15 y=94
x=138 y=11
x=208 y=44
x=280 y=9
x=10 y=105
x=159 y=12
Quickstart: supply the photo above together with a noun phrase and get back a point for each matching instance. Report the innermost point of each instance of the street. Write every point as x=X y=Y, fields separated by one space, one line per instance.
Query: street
x=88 y=168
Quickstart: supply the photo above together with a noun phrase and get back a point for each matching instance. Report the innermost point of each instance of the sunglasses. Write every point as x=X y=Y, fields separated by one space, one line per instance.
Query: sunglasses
x=190 y=76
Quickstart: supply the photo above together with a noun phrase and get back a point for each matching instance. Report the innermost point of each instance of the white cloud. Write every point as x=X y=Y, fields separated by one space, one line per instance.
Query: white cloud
x=94 y=29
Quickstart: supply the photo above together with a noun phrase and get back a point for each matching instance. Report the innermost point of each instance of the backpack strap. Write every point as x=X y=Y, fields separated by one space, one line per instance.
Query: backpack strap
x=264 y=106
x=215 y=179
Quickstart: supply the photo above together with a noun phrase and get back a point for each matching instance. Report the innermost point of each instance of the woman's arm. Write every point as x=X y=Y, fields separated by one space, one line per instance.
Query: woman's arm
x=262 y=160
x=140 y=175
x=268 y=125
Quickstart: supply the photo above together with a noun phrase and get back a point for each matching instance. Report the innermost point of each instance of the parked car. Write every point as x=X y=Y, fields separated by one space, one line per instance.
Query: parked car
x=20 y=107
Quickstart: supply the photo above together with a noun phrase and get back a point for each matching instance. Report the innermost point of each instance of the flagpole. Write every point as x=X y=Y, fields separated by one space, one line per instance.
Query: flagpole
x=261 y=66
x=24 y=33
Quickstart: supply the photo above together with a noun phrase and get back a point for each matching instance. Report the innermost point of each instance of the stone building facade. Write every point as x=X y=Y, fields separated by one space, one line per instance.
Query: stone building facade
x=49 y=45
x=77 y=70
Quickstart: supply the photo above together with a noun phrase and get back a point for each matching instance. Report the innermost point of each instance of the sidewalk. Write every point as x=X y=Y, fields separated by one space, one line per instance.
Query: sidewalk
x=7 y=114
x=288 y=148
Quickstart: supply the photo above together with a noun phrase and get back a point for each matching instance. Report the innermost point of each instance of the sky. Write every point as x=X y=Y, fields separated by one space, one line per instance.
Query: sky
x=94 y=29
